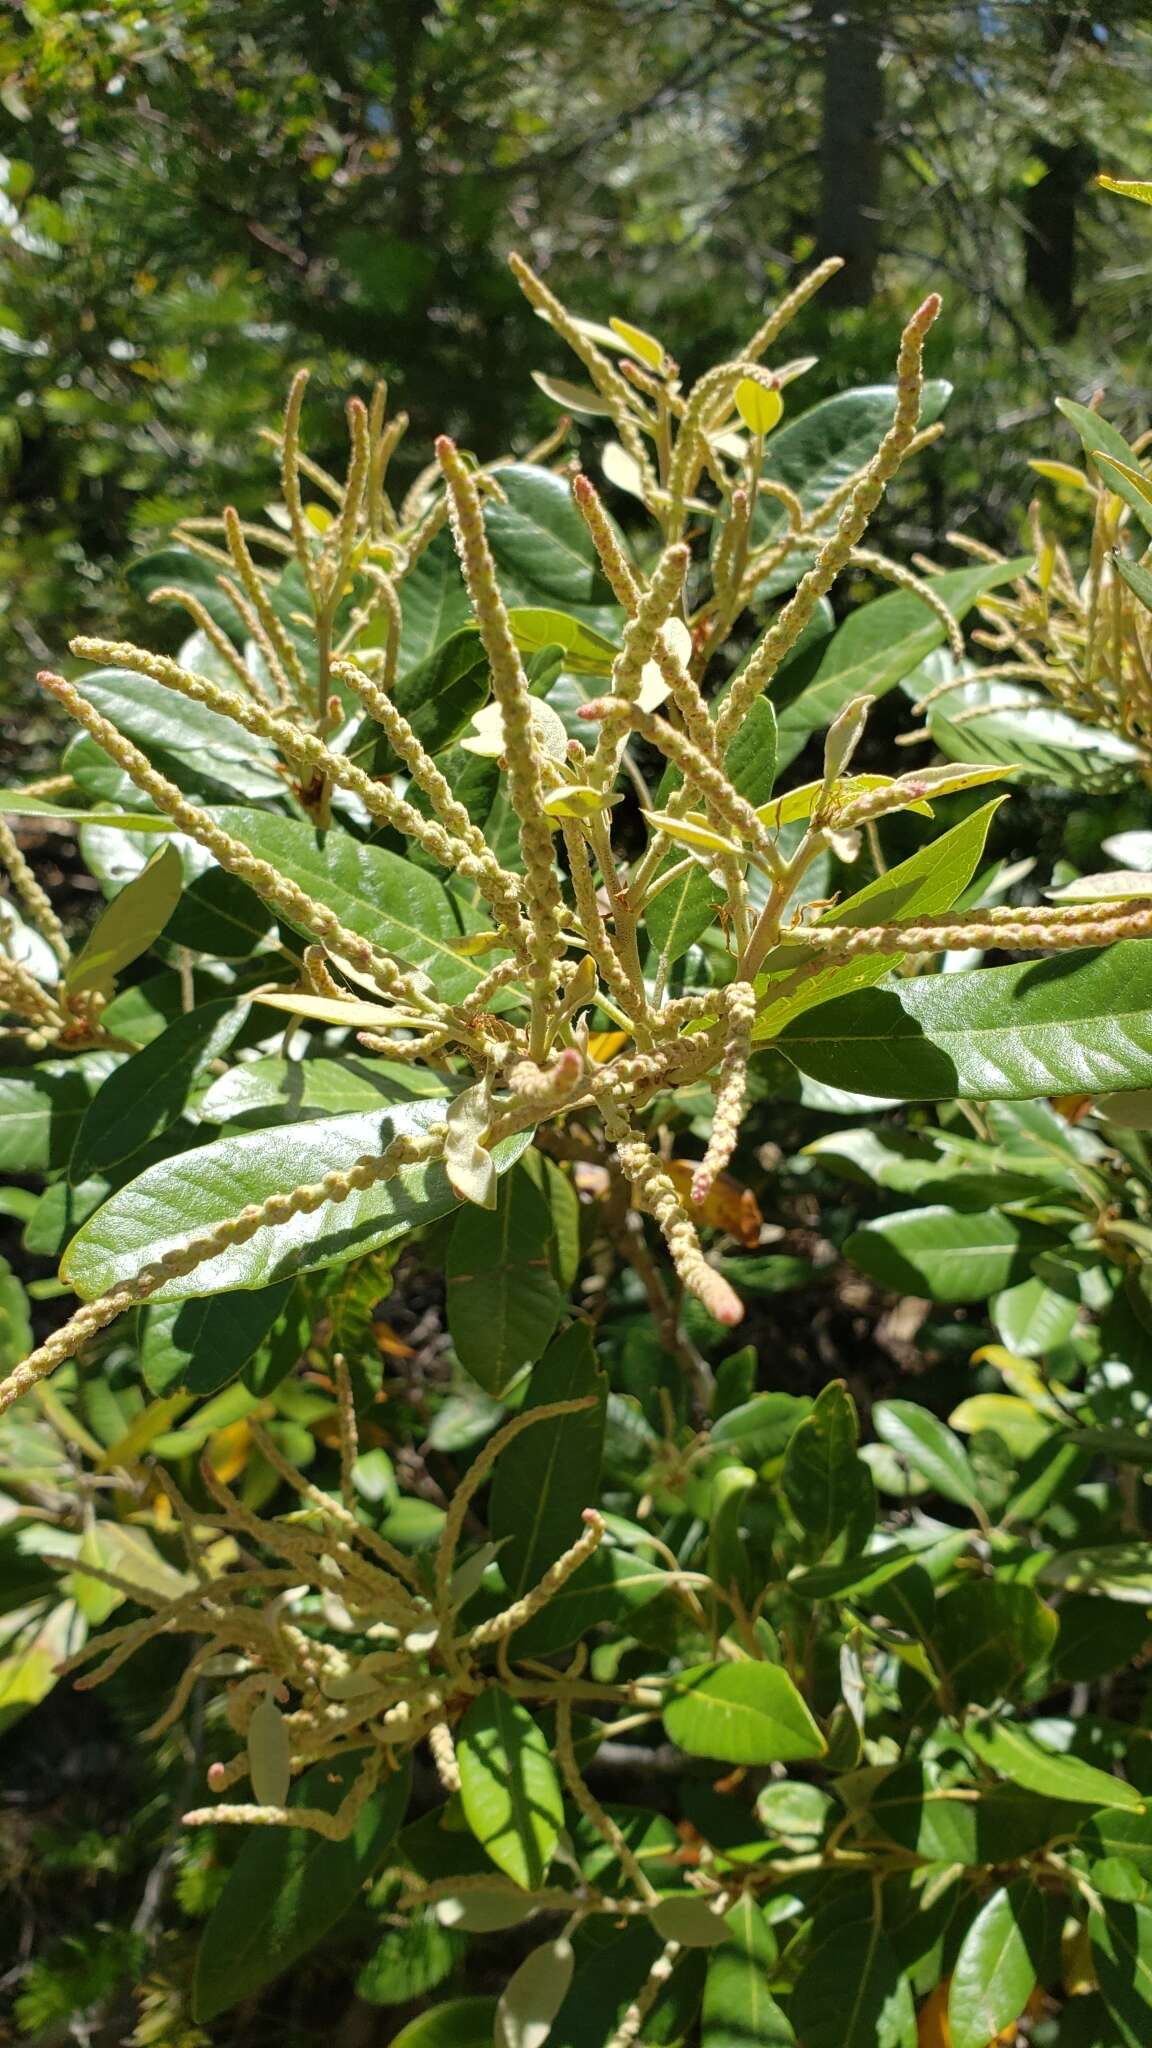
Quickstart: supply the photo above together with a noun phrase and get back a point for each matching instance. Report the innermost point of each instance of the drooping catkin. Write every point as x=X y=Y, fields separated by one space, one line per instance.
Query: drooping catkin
x=656 y=1192
x=732 y=1087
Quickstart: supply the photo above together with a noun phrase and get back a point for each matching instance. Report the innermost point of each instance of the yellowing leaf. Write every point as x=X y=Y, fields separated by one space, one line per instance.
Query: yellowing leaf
x=585 y=652
x=728 y=1206
x=603 y=1044
x=1007 y=1415
x=691 y=831
x=227 y=1451
x=1062 y=473
x=577 y=800
x=337 y=1010
x=641 y=344
x=758 y=406
x=1128 y=188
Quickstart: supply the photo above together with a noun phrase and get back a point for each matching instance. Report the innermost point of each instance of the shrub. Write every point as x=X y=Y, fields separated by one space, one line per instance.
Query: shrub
x=456 y=915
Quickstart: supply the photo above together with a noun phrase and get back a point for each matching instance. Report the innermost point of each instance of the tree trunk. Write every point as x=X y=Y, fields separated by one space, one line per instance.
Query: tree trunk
x=1050 y=210
x=851 y=151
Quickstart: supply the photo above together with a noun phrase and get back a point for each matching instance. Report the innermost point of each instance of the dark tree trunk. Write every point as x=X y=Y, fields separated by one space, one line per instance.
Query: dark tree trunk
x=851 y=151
x=1050 y=211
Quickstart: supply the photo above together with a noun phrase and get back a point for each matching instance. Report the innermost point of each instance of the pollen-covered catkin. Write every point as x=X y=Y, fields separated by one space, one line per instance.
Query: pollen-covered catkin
x=656 y=1192
x=732 y=1088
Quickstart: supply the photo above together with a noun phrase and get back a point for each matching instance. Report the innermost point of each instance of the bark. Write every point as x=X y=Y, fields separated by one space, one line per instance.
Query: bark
x=851 y=146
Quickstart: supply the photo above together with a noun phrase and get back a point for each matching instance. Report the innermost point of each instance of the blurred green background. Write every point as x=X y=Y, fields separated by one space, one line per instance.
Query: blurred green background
x=198 y=195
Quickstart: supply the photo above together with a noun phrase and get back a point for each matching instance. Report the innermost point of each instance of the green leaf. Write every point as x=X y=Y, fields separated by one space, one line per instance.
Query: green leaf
x=988 y=1637
x=533 y=1996
x=691 y=1920
x=272 y=1090
x=205 y=754
x=462 y=2023
x=879 y=644
x=409 y=1960
x=1115 y=1571
x=760 y=1429
x=926 y=884
x=14 y=804
x=182 y=1197
x=997 y=1966
x=201 y=1345
x=438 y=696
x=508 y=1787
x=1032 y=1318
x=851 y=1992
x=739 y=2009
x=929 y=1446
x=1121 y=1938
x=542 y=549
x=502 y=1301
x=611 y=1586
x=16 y=1338
x=1014 y=725
x=819 y=450
x=42 y=1109
x=1079 y=1025
x=142 y=1098
x=828 y=1489
x=288 y=1887
x=374 y=893
x=127 y=926
x=179 y=569
x=944 y=1254
x=742 y=1713
x=1015 y=1754
x=549 y=1475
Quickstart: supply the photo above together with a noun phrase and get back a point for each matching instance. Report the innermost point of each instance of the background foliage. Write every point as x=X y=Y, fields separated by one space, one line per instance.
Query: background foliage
x=199 y=199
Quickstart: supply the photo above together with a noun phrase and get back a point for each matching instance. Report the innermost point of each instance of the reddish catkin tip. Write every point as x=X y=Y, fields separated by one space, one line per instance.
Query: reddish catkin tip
x=216 y=1777
x=596 y=708
x=582 y=487
x=723 y=1302
x=444 y=446
x=926 y=314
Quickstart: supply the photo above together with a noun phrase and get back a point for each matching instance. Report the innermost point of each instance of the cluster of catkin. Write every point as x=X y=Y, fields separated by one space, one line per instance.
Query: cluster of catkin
x=568 y=923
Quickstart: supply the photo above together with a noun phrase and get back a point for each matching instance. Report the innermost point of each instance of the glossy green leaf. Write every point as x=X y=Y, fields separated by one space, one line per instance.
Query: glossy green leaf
x=461 y=2023
x=272 y=1090
x=508 y=1787
x=739 y=2010
x=606 y=1591
x=1121 y=1938
x=944 y=1254
x=437 y=695
x=502 y=1301
x=1014 y=725
x=1014 y=1753
x=182 y=1197
x=542 y=549
x=929 y=882
x=988 y=1636
x=818 y=451
x=205 y=754
x=742 y=1713
x=127 y=926
x=547 y=1477
x=1032 y=1318
x=43 y=1107
x=828 y=1489
x=410 y=1959
x=878 y=645
x=14 y=804
x=201 y=1345
x=145 y=1095
x=1115 y=1571
x=288 y=1887
x=376 y=894
x=1079 y=1024
x=851 y=1992
x=761 y=1429
x=929 y=1446
x=997 y=1966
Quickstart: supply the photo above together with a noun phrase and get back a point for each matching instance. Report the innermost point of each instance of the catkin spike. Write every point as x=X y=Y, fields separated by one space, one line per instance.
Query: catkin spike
x=834 y=555
x=656 y=1192
x=732 y=1088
